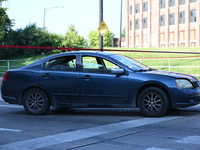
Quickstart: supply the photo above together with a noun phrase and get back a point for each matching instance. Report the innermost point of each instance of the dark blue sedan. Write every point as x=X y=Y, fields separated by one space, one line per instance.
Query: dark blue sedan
x=97 y=79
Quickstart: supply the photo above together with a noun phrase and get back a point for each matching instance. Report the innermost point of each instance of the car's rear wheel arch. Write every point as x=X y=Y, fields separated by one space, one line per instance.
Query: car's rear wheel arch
x=152 y=85
x=32 y=87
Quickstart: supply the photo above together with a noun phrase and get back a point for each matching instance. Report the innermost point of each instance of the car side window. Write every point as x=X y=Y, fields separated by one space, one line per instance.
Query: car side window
x=97 y=64
x=67 y=63
x=109 y=65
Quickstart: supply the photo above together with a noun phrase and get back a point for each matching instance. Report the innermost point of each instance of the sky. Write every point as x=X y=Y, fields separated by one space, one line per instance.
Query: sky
x=60 y=14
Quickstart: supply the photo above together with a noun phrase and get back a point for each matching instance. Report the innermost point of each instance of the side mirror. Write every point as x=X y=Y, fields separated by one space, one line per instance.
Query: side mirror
x=117 y=71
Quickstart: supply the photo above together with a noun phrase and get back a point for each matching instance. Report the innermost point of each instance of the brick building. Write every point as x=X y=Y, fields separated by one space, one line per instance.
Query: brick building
x=163 y=23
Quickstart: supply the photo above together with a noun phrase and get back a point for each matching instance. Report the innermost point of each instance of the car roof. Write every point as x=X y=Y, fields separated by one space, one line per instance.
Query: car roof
x=88 y=52
x=78 y=52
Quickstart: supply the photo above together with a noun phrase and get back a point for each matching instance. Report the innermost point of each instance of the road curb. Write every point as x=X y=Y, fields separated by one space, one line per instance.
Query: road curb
x=1 y=78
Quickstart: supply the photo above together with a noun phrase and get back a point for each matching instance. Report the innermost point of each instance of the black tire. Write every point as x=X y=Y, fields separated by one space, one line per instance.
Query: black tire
x=36 y=102
x=153 y=102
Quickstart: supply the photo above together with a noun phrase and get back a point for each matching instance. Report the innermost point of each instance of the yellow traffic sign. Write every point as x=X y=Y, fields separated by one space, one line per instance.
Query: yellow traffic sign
x=103 y=28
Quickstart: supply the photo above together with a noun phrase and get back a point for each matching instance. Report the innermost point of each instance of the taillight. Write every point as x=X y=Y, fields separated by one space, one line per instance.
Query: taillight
x=5 y=76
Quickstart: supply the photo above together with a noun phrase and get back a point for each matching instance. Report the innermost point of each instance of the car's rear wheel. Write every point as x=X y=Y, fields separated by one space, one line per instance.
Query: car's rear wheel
x=153 y=102
x=36 y=102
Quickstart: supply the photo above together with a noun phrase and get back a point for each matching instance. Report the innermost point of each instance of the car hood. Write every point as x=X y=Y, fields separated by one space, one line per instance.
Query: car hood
x=173 y=74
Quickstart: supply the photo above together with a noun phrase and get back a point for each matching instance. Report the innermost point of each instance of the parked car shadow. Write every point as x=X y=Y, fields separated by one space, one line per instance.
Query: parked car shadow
x=189 y=111
x=97 y=111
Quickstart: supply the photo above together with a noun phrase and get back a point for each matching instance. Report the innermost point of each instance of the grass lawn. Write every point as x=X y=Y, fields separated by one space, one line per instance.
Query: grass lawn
x=164 y=63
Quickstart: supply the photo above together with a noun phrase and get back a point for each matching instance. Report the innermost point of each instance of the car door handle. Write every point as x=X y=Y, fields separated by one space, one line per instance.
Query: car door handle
x=87 y=77
x=46 y=75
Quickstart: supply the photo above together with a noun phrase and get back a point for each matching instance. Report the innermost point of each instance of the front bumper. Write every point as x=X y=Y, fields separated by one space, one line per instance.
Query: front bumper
x=185 y=97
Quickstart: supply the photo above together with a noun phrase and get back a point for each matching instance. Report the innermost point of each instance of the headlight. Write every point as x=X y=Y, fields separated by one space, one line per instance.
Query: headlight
x=185 y=84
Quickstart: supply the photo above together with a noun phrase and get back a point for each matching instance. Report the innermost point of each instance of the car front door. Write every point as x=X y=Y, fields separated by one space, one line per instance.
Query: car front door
x=99 y=86
x=61 y=78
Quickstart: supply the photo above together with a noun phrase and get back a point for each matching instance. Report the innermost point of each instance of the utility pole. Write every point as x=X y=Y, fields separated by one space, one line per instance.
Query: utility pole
x=120 y=38
x=100 y=20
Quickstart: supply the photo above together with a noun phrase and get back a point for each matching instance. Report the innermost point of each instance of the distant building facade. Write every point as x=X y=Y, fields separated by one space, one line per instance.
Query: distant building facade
x=116 y=42
x=163 y=23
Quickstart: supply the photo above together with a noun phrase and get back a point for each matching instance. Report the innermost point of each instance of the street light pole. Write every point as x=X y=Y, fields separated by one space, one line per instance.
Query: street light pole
x=120 y=38
x=44 y=18
x=48 y=9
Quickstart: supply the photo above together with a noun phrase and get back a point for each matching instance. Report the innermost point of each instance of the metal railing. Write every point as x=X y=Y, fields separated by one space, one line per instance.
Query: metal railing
x=168 y=66
x=12 y=64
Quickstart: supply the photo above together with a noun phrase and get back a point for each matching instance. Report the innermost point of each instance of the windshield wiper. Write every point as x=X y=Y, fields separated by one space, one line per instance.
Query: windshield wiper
x=143 y=70
x=151 y=69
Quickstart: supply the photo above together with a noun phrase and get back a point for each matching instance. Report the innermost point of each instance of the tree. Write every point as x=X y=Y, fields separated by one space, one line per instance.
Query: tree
x=31 y=35
x=5 y=23
x=93 y=38
x=72 y=39
x=108 y=39
x=124 y=32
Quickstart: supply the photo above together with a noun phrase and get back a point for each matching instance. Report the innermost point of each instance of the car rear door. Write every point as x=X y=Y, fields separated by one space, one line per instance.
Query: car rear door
x=61 y=79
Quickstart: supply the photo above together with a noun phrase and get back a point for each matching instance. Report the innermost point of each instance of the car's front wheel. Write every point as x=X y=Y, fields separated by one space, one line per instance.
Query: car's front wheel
x=36 y=102
x=153 y=102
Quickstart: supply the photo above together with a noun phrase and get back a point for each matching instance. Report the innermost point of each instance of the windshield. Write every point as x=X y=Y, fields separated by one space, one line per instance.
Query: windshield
x=131 y=63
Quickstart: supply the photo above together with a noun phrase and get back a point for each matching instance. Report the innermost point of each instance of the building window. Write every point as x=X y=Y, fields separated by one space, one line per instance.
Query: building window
x=145 y=39
x=162 y=20
x=137 y=40
x=131 y=41
x=172 y=19
x=182 y=17
x=182 y=35
x=162 y=3
x=181 y=2
x=131 y=10
x=171 y=37
x=145 y=23
x=137 y=8
x=192 y=1
x=131 y=25
x=193 y=34
x=172 y=3
x=193 y=37
x=162 y=37
x=137 y=24
x=193 y=16
x=145 y=7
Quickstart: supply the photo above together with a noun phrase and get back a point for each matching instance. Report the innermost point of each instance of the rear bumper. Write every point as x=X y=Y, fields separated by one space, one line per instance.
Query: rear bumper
x=10 y=100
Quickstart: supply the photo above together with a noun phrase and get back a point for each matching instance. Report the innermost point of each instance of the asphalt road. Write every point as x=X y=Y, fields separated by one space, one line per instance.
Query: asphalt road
x=97 y=129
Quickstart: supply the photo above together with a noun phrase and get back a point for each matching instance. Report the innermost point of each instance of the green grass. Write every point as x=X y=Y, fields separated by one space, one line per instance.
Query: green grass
x=140 y=55
x=159 y=55
x=165 y=62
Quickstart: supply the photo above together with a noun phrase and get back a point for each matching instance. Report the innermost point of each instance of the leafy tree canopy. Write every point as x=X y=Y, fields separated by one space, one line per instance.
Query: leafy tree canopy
x=5 y=23
x=93 y=38
x=124 y=32
x=72 y=38
x=31 y=35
